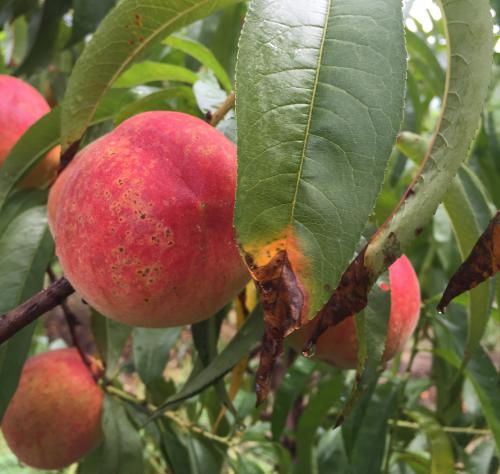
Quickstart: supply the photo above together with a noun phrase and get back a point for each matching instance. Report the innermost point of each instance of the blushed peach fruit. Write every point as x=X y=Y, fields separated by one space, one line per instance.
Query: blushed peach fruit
x=339 y=344
x=143 y=221
x=21 y=105
x=54 y=418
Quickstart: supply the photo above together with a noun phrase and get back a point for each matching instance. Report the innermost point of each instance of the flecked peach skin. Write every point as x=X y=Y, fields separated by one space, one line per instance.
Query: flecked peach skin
x=54 y=418
x=21 y=105
x=339 y=345
x=143 y=221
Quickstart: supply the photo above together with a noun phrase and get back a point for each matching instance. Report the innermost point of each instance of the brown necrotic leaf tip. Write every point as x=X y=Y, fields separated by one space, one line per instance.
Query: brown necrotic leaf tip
x=282 y=300
x=350 y=297
x=482 y=263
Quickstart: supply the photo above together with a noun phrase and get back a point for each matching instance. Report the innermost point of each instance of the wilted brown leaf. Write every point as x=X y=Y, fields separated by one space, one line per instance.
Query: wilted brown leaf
x=482 y=263
x=282 y=300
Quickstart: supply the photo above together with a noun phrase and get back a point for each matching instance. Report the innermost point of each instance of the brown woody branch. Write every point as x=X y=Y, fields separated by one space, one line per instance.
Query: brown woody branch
x=34 y=307
x=72 y=323
x=221 y=112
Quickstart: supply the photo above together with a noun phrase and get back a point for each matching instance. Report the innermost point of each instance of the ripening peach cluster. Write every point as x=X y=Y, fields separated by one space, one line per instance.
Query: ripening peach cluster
x=142 y=222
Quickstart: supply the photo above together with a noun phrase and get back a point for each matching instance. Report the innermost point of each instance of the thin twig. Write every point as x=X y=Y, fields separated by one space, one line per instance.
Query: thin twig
x=128 y=397
x=72 y=322
x=448 y=429
x=34 y=307
x=221 y=112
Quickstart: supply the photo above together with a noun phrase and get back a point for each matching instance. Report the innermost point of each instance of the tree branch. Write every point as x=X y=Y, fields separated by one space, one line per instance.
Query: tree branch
x=72 y=322
x=34 y=307
x=221 y=112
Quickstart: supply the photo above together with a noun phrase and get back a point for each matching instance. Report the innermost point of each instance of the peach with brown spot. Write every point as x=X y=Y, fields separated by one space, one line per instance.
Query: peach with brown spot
x=179 y=262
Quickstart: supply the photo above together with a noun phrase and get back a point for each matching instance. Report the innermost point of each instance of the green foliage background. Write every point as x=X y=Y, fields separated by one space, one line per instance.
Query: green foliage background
x=434 y=409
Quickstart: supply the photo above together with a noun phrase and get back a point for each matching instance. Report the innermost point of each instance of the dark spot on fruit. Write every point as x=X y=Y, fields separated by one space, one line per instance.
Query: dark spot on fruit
x=327 y=288
x=143 y=216
x=130 y=42
x=418 y=230
x=146 y=300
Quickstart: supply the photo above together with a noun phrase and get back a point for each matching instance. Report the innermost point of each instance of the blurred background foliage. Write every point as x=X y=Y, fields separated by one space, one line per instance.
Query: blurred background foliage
x=425 y=413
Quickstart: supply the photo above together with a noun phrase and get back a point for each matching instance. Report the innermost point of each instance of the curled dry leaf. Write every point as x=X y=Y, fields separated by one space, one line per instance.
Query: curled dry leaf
x=282 y=300
x=482 y=263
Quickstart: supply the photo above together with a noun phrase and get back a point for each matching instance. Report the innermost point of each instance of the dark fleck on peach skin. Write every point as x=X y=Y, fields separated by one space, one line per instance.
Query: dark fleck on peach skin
x=142 y=220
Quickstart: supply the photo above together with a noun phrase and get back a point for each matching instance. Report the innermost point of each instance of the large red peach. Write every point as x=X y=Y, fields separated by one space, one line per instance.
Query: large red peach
x=21 y=105
x=339 y=344
x=54 y=417
x=143 y=221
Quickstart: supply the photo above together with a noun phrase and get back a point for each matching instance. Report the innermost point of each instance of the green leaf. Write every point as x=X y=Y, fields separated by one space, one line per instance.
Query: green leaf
x=416 y=461
x=239 y=346
x=174 y=447
x=87 y=15
x=480 y=370
x=25 y=252
x=179 y=98
x=224 y=42
x=44 y=42
x=121 y=449
x=151 y=351
x=319 y=103
x=11 y=9
x=125 y=34
x=18 y=202
x=425 y=59
x=470 y=212
x=293 y=384
x=371 y=332
x=111 y=337
x=203 y=55
x=469 y=37
x=152 y=71
x=442 y=461
x=187 y=452
x=204 y=455
x=327 y=396
x=365 y=431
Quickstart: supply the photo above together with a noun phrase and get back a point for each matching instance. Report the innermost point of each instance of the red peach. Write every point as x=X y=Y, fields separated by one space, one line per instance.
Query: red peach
x=21 y=105
x=54 y=417
x=143 y=221
x=339 y=345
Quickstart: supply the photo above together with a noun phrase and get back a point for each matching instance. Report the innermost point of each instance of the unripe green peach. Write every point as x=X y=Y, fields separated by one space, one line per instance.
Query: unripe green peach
x=54 y=417
x=21 y=106
x=339 y=344
x=143 y=221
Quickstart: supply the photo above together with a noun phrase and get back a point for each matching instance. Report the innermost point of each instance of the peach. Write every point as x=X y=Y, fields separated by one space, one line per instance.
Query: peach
x=143 y=221
x=21 y=105
x=54 y=417
x=339 y=345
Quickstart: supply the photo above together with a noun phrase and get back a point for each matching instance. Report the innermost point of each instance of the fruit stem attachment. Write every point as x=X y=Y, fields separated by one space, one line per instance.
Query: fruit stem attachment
x=27 y=312
x=225 y=107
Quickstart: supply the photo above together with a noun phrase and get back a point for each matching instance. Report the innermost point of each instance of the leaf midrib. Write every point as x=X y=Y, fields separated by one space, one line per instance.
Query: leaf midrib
x=137 y=50
x=311 y=109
